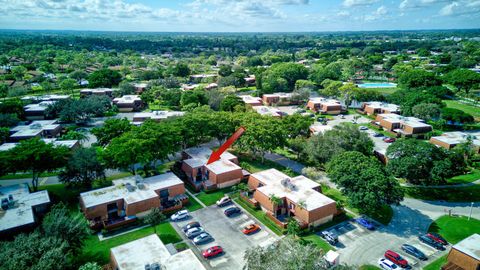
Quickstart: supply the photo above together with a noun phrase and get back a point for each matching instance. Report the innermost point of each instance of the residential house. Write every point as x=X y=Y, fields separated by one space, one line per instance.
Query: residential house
x=270 y=111
x=299 y=198
x=198 y=78
x=318 y=128
x=96 y=92
x=131 y=197
x=149 y=252
x=222 y=173
x=464 y=255
x=128 y=103
x=402 y=125
x=251 y=101
x=250 y=81
x=70 y=144
x=324 y=105
x=376 y=107
x=157 y=116
x=40 y=128
x=21 y=209
x=448 y=140
x=277 y=99
x=140 y=87
x=37 y=111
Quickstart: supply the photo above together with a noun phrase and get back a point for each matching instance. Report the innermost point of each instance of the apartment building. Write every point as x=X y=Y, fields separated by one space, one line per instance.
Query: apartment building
x=324 y=105
x=449 y=140
x=300 y=198
x=96 y=92
x=70 y=144
x=402 y=125
x=40 y=129
x=128 y=103
x=222 y=173
x=251 y=101
x=375 y=107
x=277 y=99
x=157 y=116
x=36 y=111
x=464 y=255
x=269 y=111
x=130 y=197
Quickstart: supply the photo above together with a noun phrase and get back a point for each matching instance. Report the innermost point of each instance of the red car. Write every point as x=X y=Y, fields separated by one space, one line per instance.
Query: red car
x=437 y=238
x=251 y=229
x=212 y=251
x=397 y=259
x=389 y=140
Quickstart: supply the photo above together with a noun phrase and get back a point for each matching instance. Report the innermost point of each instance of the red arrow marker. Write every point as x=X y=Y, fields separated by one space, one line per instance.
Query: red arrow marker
x=216 y=154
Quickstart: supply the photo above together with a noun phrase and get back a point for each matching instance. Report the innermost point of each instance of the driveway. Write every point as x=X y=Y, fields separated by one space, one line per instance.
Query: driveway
x=226 y=233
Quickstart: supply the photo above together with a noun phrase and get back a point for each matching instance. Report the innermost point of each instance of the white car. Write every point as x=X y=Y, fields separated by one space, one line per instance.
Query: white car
x=180 y=215
x=194 y=232
x=224 y=201
x=387 y=264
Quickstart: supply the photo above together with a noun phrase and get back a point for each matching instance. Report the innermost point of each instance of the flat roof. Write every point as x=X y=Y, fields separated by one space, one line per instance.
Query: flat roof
x=470 y=246
x=158 y=115
x=96 y=90
x=405 y=120
x=150 y=249
x=279 y=94
x=21 y=212
x=250 y=99
x=40 y=107
x=34 y=129
x=127 y=99
x=457 y=137
x=265 y=110
x=297 y=189
x=319 y=128
x=324 y=101
x=55 y=142
x=383 y=105
x=200 y=155
x=222 y=166
x=119 y=190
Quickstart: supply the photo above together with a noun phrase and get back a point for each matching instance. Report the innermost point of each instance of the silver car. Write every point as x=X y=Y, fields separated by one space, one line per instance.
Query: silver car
x=194 y=232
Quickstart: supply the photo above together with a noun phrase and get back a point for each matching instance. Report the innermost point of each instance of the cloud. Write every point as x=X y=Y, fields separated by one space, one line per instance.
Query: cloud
x=355 y=3
x=460 y=8
x=379 y=13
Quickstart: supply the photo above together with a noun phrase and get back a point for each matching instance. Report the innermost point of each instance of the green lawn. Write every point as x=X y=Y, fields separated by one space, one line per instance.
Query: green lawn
x=60 y=193
x=118 y=176
x=209 y=198
x=318 y=241
x=25 y=175
x=261 y=216
x=384 y=91
x=474 y=175
x=453 y=194
x=474 y=111
x=455 y=229
x=99 y=251
x=368 y=267
x=256 y=165
x=286 y=153
x=192 y=205
x=437 y=264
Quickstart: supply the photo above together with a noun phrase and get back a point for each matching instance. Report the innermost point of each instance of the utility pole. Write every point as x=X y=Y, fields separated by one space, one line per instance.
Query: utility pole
x=471 y=208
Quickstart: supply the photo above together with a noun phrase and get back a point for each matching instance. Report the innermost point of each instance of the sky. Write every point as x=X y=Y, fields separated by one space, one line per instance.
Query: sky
x=239 y=15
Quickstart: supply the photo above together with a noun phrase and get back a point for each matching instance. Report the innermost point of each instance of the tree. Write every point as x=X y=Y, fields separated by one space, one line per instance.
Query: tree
x=300 y=95
x=346 y=92
x=426 y=111
x=463 y=79
x=125 y=88
x=230 y=102
x=3 y=90
x=8 y=120
x=82 y=168
x=456 y=116
x=225 y=70
x=68 y=84
x=181 y=70
x=196 y=97
x=291 y=72
x=18 y=72
x=112 y=128
x=4 y=134
x=154 y=217
x=418 y=78
x=286 y=254
x=90 y=266
x=364 y=181
x=104 y=78
x=37 y=157
x=61 y=224
x=331 y=88
x=293 y=228
x=297 y=125
x=78 y=75
x=74 y=135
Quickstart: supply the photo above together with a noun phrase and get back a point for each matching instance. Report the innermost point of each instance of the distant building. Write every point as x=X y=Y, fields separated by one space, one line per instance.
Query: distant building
x=140 y=87
x=96 y=92
x=38 y=99
x=251 y=101
x=40 y=128
x=198 y=78
x=222 y=173
x=402 y=125
x=158 y=116
x=448 y=140
x=317 y=128
x=277 y=99
x=37 y=111
x=150 y=253
x=71 y=144
x=128 y=103
x=129 y=197
x=465 y=255
x=324 y=105
x=250 y=81
x=270 y=111
x=211 y=86
x=20 y=208
x=300 y=197
x=375 y=107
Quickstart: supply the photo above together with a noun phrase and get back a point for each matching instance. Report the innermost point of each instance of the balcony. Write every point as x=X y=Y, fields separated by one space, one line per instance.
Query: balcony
x=118 y=222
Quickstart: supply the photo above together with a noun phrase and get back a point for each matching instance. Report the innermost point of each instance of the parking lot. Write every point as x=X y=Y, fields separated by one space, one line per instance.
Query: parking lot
x=227 y=234
x=359 y=246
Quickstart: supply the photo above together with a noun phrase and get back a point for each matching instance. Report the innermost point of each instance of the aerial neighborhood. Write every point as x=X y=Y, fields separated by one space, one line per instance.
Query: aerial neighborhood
x=224 y=150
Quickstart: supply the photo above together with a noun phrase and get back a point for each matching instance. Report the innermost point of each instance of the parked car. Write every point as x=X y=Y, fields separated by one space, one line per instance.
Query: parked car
x=363 y=128
x=342 y=116
x=389 y=140
x=224 y=201
x=202 y=238
x=212 y=252
x=396 y=258
x=376 y=134
x=437 y=238
x=194 y=232
x=330 y=237
x=387 y=264
x=415 y=252
x=232 y=211
x=190 y=225
x=252 y=228
x=429 y=241
x=180 y=215
x=365 y=223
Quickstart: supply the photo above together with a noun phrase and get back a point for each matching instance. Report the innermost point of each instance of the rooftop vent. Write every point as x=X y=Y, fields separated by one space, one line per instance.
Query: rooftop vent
x=288 y=184
x=129 y=187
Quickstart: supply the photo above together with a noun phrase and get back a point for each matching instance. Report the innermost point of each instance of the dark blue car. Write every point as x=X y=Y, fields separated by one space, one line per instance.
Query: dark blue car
x=365 y=223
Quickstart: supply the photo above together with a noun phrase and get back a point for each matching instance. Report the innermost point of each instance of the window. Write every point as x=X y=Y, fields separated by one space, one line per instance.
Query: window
x=164 y=193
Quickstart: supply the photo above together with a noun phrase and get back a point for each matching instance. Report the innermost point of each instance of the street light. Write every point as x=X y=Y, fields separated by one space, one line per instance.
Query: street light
x=471 y=208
